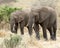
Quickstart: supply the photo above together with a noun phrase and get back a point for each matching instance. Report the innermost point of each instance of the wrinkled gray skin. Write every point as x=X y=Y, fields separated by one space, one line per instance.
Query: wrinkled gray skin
x=46 y=17
x=18 y=17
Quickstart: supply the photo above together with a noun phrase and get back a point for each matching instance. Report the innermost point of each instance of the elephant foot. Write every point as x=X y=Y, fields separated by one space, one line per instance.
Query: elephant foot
x=53 y=38
x=14 y=32
x=30 y=33
x=22 y=33
x=38 y=37
x=46 y=39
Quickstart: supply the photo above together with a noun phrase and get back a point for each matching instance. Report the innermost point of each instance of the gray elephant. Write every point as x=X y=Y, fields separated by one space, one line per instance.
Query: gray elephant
x=46 y=17
x=18 y=17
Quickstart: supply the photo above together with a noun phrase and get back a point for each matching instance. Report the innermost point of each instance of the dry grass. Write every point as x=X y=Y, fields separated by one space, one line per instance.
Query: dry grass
x=32 y=42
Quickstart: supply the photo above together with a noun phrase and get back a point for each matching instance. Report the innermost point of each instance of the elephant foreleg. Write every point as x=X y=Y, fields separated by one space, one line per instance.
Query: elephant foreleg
x=54 y=30
x=30 y=24
x=22 y=27
x=12 y=28
x=44 y=32
x=36 y=29
x=15 y=27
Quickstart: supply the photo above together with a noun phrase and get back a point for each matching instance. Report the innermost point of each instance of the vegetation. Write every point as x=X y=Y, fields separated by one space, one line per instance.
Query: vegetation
x=13 y=41
x=5 y=12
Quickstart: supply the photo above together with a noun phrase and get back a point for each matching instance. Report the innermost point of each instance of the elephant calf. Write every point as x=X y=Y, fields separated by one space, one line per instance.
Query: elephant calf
x=46 y=17
x=18 y=17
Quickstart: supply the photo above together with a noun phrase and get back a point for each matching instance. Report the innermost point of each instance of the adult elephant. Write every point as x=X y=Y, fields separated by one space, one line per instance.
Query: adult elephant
x=18 y=17
x=46 y=17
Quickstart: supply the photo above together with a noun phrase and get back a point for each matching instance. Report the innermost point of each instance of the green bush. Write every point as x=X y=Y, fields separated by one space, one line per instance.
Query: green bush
x=12 y=42
x=5 y=12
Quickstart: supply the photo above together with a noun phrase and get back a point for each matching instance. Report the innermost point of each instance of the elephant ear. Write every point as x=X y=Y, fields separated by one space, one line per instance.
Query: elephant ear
x=21 y=18
x=35 y=13
x=43 y=14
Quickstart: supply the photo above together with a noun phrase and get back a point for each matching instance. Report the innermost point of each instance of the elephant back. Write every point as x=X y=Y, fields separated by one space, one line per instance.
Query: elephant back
x=45 y=12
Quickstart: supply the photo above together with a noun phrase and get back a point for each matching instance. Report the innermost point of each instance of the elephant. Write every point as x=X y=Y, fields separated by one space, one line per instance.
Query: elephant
x=18 y=17
x=46 y=17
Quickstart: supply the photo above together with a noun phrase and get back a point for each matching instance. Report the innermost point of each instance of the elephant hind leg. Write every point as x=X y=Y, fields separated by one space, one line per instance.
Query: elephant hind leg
x=50 y=29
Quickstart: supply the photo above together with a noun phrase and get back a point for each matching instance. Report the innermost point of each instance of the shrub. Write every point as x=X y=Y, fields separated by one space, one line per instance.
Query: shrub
x=12 y=42
x=5 y=12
